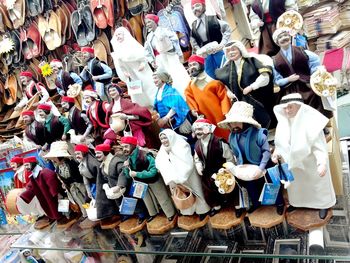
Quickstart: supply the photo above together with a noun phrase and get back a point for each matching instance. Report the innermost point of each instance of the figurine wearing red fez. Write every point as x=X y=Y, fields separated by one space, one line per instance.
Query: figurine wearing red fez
x=248 y=79
x=206 y=96
x=79 y=121
x=211 y=152
x=64 y=78
x=141 y=166
x=20 y=180
x=123 y=110
x=95 y=72
x=56 y=128
x=208 y=36
x=31 y=87
x=164 y=53
x=34 y=132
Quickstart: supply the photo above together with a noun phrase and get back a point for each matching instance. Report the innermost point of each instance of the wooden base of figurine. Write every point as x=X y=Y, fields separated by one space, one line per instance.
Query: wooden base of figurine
x=160 y=225
x=265 y=217
x=226 y=219
x=190 y=223
x=306 y=219
x=131 y=226
x=110 y=223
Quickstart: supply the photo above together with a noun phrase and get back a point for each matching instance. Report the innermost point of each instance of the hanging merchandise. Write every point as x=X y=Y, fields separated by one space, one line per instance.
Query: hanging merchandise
x=17 y=12
x=83 y=25
x=102 y=12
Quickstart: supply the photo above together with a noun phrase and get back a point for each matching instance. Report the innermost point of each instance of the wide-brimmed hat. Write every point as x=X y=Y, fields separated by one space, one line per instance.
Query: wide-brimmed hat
x=239 y=112
x=58 y=149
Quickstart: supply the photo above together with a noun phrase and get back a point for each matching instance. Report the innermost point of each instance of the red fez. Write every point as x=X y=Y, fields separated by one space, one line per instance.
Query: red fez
x=195 y=58
x=67 y=99
x=88 y=50
x=203 y=121
x=44 y=107
x=193 y=2
x=129 y=140
x=103 y=148
x=81 y=148
x=26 y=74
x=16 y=159
x=153 y=17
x=27 y=113
x=30 y=159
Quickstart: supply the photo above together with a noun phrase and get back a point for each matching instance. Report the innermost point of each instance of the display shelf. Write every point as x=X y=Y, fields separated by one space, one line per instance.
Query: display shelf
x=12 y=229
x=242 y=241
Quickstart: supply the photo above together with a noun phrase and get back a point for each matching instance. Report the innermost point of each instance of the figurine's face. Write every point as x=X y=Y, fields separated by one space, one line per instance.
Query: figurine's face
x=79 y=156
x=28 y=120
x=291 y=110
x=100 y=156
x=27 y=166
x=164 y=140
x=283 y=40
x=42 y=114
x=119 y=36
x=113 y=93
x=157 y=81
x=236 y=127
x=118 y=150
x=24 y=80
x=128 y=148
x=55 y=69
x=14 y=166
x=88 y=100
x=201 y=131
x=194 y=69
x=198 y=9
x=232 y=53
x=150 y=25
x=65 y=106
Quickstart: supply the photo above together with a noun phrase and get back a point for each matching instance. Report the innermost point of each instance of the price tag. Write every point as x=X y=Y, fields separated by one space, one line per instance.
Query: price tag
x=63 y=205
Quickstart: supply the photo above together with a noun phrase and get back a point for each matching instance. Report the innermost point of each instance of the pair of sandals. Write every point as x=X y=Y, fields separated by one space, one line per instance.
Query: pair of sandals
x=83 y=25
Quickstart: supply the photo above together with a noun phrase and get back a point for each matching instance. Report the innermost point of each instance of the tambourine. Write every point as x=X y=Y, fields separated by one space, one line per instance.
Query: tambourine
x=290 y=19
x=323 y=83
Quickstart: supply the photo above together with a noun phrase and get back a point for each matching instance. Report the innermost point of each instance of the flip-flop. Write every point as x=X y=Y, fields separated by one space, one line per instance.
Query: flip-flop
x=99 y=13
x=79 y=28
x=35 y=7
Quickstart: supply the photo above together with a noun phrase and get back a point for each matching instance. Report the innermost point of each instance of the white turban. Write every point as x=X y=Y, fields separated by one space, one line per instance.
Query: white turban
x=278 y=32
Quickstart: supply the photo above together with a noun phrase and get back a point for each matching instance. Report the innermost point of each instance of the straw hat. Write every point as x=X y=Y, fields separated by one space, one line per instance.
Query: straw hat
x=58 y=149
x=239 y=112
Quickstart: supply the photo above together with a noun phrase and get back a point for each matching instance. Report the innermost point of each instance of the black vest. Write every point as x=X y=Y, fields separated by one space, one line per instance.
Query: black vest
x=77 y=122
x=213 y=31
x=276 y=8
x=66 y=80
x=96 y=70
x=39 y=136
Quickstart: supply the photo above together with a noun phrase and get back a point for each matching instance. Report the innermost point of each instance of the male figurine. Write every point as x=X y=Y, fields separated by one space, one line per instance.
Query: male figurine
x=300 y=141
x=263 y=17
x=164 y=53
x=34 y=131
x=64 y=78
x=206 y=96
x=211 y=152
x=29 y=88
x=205 y=30
x=293 y=67
x=79 y=121
x=97 y=114
x=56 y=128
x=95 y=72
x=140 y=165
x=16 y=163
x=249 y=80
x=249 y=144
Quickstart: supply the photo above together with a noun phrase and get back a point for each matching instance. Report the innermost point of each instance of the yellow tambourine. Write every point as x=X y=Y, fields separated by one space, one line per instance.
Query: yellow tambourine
x=290 y=19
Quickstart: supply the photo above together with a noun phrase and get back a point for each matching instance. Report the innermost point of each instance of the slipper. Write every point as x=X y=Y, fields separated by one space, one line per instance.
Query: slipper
x=137 y=28
x=17 y=52
x=99 y=13
x=109 y=5
x=79 y=28
x=68 y=14
x=88 y=20
x=100 y=51
x=35 y=7
x=34 y=39
x=62 y=18
x=16 y=12
x=5 y=17
x=55 y=30
x=10 y=90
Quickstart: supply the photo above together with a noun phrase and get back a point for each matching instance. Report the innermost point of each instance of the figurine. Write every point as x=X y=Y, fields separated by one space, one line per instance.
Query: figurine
x=97 y=114
x=249 y=144
x=16 y=163
x=68 y=173
x=27 y=257
x=131 y=65
x=249 y=80
x=205 y=31
x=56 y=128
x=64 y=78
x=79 y=121
x=300 y=141
x=211 y=152
x=206 y=96
x=109 y=173
x=163 y=52
x=293 y=67
x=136 y=119
x=140 y=165
x=170 y=106
x=35 y=131
x=175 y=163
x=263 y=17
x=95 y=72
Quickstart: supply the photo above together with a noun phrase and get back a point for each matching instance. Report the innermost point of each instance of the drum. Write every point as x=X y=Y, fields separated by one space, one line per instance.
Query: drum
x=11 y=200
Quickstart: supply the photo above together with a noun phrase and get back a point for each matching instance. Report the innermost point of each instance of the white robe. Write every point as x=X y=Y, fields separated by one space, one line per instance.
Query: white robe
x=177 y=166
x=302 y=144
